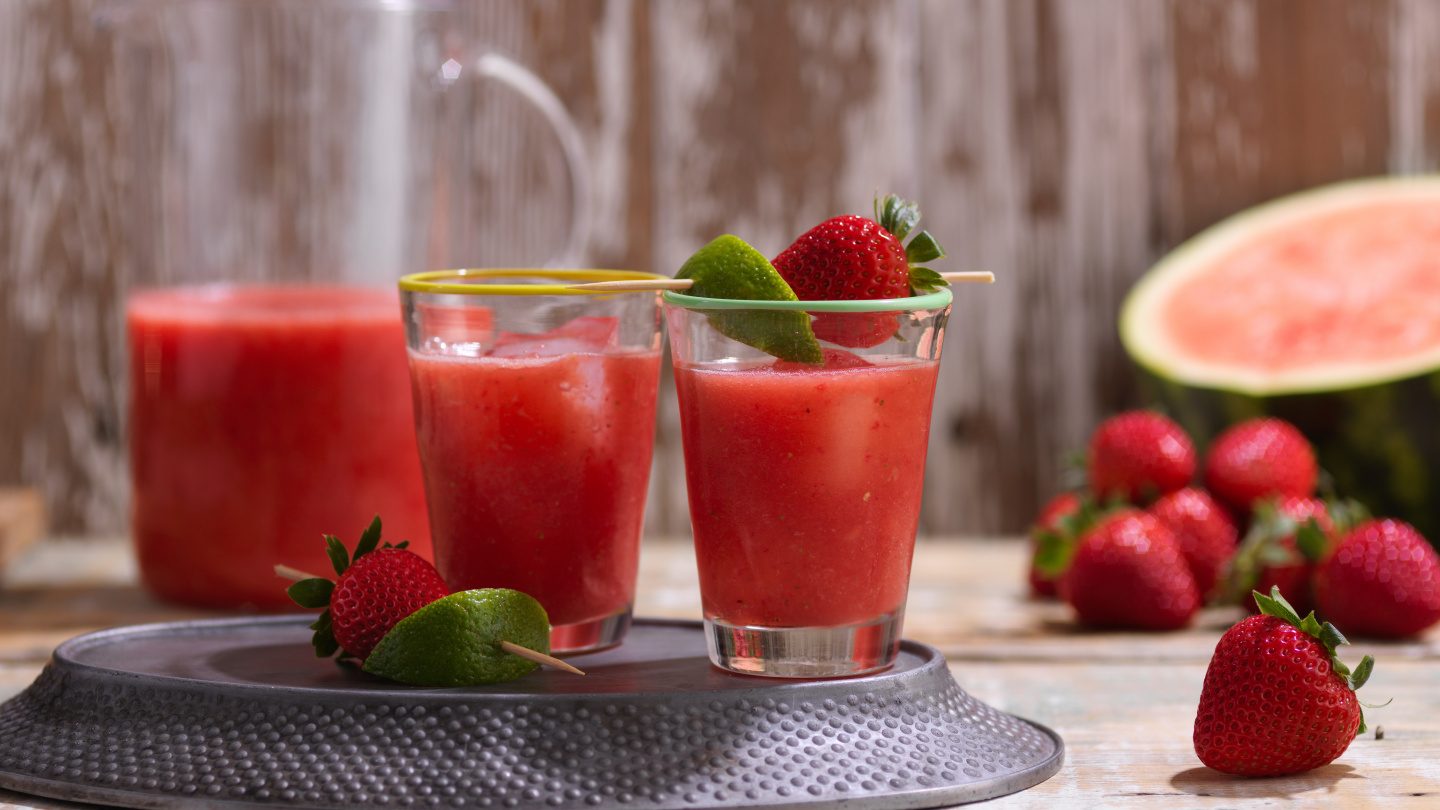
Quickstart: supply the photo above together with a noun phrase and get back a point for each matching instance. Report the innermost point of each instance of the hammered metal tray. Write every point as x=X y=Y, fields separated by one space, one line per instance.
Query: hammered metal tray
x=239 y=712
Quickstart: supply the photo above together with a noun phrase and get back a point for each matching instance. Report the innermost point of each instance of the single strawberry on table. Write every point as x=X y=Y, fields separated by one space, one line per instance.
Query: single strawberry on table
x=1277 y=699
x=1138 y=456
x=1259 y=459
x=851 y=257
x=1128 y=572
x=376 y=588
x=1204 y=530
x=1381 y=579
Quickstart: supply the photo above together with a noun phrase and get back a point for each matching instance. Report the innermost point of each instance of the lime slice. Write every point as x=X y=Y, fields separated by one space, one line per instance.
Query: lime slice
x=455 y=640
x=730 y=268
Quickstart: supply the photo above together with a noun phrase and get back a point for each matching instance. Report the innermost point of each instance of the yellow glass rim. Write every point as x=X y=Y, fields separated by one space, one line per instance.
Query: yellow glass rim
x=452 y=282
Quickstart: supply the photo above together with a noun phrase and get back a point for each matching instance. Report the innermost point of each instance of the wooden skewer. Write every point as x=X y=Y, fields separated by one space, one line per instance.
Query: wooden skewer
x=648 y=285
x=295 y=574
x=539 y=657
x=292 y=574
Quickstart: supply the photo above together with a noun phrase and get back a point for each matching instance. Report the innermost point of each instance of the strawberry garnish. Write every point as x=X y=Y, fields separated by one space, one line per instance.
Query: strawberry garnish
x=1053 y=521
x=851 y=257
x=1277 y=699
x=1382 y=579
x=377 y=586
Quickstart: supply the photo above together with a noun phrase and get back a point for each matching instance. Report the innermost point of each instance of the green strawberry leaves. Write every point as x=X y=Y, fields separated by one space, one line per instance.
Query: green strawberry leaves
x=1326 y=633
x=369 y=539
x=315 y=592
x=900 y=217
x=339 y=556
x=923 y=248
x=311 y=593
x=897 y=216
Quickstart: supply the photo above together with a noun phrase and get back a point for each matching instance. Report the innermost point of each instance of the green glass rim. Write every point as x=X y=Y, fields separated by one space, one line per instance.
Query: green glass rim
x=939 y=299
x=468 y=281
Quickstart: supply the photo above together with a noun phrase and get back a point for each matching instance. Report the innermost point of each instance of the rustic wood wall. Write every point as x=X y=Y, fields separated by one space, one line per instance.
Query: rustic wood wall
x=1064 y=144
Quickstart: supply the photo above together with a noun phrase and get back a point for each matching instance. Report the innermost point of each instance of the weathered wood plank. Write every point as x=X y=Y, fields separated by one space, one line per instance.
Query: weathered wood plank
x=1035 y=144
x=1063 y=145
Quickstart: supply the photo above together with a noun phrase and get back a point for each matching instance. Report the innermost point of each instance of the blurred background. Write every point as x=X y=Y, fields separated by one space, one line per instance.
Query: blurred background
x=1063 y=145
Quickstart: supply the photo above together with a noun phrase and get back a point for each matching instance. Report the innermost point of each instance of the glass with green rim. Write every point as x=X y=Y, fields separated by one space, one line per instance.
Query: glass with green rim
x=535 y=414
x=805 y=479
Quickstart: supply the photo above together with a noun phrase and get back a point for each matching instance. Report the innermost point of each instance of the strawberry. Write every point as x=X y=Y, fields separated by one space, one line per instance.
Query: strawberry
x=377 y=587
x=852 y=257
x=1138 y=456
x=1382 y=579
x=1204 y=530
x=1128 y=571
x=1257 y=459
x=1277 y=700
x=1060 y=507
x=1287 y=537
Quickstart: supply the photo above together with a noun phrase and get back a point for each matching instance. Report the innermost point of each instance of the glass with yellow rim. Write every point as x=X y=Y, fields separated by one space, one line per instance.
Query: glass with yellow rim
x=535 y=418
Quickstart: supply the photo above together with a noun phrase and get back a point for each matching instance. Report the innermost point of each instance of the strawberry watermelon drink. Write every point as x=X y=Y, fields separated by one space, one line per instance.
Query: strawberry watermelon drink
x=534 y=412
x=260 y=418
x=804 y=463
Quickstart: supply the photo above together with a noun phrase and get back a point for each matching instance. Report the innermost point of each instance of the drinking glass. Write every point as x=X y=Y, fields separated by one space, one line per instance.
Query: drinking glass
x=805 y=480
x=535 y=417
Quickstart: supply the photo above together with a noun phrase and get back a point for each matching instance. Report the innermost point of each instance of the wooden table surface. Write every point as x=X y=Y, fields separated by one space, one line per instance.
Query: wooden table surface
x=1124 y=702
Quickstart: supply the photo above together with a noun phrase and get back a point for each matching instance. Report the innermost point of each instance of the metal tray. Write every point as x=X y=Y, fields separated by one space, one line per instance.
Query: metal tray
x=239 y=712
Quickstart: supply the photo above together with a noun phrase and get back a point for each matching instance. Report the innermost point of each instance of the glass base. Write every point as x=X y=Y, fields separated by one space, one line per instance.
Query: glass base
x=591 y=636
x=805 y=652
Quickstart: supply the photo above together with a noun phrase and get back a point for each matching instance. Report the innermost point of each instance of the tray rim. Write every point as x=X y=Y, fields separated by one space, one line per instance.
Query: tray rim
x=65 y=654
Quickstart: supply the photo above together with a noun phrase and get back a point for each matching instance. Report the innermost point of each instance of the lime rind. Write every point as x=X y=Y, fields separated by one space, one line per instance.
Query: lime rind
x=729 y=268
x=455 y=641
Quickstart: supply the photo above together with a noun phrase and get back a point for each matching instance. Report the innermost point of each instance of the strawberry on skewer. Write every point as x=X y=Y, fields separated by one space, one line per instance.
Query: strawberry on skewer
x=851 y=257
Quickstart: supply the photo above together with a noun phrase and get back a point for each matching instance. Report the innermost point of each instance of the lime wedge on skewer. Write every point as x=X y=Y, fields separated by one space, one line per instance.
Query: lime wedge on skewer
x=455 y=640
x=730 y=268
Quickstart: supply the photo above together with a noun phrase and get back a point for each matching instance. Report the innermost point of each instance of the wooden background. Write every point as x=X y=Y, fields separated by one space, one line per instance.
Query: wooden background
x=1064 y=144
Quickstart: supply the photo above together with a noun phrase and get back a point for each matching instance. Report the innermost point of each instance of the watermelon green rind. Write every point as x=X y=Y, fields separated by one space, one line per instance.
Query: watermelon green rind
x=1147 y=344
x=1374 y=442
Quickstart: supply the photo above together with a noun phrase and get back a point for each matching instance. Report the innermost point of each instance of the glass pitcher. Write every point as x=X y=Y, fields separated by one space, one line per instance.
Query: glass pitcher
x=321 y=148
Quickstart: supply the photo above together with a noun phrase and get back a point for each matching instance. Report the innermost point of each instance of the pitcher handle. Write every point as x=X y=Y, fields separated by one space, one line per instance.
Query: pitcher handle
x=530 y=87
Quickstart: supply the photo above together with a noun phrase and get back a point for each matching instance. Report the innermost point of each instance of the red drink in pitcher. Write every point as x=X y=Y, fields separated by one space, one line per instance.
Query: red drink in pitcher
x=260 y=419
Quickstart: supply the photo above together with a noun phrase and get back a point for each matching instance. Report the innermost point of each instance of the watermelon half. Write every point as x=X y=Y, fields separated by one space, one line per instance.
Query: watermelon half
x=1322 y=308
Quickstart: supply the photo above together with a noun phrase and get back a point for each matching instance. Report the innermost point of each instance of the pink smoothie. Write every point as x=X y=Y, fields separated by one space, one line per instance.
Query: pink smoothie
x=260 y=419
x=537 y=464
x=805 y=487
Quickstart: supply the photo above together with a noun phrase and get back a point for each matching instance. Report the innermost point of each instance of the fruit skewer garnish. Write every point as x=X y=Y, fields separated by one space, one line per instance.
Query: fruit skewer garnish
x=849 y=260
x=390 y=611
x=1277 y=699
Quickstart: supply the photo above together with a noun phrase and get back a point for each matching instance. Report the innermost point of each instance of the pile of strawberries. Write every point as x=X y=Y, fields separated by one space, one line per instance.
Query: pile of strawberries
x=1143 y=547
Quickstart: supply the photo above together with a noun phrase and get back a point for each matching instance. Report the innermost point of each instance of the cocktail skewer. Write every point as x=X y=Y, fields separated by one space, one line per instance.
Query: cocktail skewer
x=295 y=575
x=678 y=284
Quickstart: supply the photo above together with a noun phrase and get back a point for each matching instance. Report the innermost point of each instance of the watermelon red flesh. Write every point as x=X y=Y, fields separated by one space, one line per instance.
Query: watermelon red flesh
x=1322 y=309
x=1352 y=287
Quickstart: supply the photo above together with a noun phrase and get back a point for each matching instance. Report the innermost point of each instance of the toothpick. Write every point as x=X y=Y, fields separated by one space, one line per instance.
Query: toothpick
x=650 y=285
x=293 y=574
x=539 y=657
